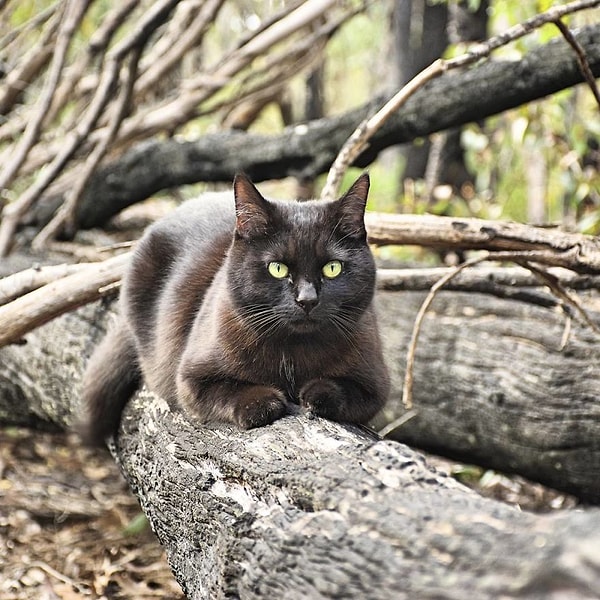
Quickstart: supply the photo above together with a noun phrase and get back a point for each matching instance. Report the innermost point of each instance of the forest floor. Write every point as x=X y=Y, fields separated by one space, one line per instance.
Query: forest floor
x=70 y=528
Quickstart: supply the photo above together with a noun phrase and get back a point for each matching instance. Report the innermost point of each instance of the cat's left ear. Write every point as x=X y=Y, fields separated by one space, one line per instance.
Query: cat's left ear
x=351 y=207
x=252 y=211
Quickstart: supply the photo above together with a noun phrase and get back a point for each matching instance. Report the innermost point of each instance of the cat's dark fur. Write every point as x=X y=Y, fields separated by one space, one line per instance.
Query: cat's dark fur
x=205 y=324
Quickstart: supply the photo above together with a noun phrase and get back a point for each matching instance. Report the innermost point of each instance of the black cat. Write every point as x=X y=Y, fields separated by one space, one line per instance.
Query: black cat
x=234 y=309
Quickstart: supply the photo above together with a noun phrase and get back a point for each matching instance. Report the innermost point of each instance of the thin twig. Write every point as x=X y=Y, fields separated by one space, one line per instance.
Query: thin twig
x=59 y=576
x=517 y=257
x=173 y=112
x=66 y=213
x=11 y=213
x=188 y=35
x=555 y=285
x=582 y=60
x=74 y=79
x=414 y=337
x=35 y=21
x=397 y=423
x=14 y=211
x=29 y=66
x=74 y=12
x=358 y=141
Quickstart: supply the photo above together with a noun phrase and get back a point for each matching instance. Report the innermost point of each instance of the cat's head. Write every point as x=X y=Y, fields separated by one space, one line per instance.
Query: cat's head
x=299 y=268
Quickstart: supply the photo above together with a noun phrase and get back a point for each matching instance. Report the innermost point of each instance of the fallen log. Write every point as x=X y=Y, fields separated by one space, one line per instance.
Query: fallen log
x=499 y=384
x=309 y=508
x=507 y=385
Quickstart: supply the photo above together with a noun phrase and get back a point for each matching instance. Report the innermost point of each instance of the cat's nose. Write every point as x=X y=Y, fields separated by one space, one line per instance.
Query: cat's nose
x=306 y=296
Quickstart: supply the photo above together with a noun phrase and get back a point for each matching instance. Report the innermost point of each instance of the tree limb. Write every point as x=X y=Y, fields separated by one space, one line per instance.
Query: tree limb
x=580 y=253
x=40 y=306
x=581 y=59
x=308 y=150
x=74 y=12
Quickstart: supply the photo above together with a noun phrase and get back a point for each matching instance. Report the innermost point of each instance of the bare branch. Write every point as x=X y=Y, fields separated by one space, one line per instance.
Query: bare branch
x=357 y=142
x=581 y=59
x=30 y=64
x=580 y=253
x=74 y=12
x=76 y=78
x=61 y=296
x=14 y=211
x=570 y=299
x=173 y=113
x=186 y=36
x=23 y=282
x=65 y=215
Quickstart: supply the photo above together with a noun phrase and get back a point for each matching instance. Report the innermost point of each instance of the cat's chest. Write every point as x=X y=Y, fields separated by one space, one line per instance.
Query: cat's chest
x=296 y=366
x=287 y=366
x=287 y=373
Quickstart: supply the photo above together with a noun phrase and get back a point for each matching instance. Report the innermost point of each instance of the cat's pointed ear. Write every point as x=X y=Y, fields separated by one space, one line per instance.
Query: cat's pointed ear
x=351 y=208
x=251 y=209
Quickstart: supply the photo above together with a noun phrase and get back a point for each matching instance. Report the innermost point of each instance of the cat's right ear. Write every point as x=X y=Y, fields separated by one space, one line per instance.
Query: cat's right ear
x=351 y=208
x=252 y=212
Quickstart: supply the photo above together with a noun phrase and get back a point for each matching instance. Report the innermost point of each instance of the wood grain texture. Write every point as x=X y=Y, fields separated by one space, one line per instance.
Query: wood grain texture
x=494 y=387
x=312 y=509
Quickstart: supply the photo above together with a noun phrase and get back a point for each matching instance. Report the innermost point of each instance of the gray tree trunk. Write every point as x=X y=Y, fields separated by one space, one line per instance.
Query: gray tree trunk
x=313 y=509
x=493 y=386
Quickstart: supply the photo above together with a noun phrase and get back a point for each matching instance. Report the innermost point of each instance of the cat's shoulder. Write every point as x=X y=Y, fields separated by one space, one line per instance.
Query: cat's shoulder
x=210 y=212
x=206 y=205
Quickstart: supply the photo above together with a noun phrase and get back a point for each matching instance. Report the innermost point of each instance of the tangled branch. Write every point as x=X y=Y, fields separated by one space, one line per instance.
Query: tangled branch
x=359 y=139
x=119 y=89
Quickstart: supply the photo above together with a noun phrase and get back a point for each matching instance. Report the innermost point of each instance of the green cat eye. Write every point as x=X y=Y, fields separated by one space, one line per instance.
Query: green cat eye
x=332 y=269
x=278 y=270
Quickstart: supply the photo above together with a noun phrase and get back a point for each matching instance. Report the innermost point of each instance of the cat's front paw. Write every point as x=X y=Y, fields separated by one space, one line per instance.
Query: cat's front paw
x=260 y=406
x=322 y=397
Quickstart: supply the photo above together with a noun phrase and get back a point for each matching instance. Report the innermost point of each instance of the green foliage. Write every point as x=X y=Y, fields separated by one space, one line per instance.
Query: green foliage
x=139 y=524
x=553 y=141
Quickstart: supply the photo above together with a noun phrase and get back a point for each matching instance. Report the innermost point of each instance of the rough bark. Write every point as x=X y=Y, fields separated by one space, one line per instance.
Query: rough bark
x=575 y=251
x=308 y=150
x=309 y=508
x=494 y=386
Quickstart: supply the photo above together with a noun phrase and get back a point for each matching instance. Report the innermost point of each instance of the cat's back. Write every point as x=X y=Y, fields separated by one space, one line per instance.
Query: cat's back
x=192 y=228
x=194 y=223
x=177 y=257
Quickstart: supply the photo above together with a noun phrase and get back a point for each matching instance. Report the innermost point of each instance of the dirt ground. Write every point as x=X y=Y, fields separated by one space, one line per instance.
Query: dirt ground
x=70 y=528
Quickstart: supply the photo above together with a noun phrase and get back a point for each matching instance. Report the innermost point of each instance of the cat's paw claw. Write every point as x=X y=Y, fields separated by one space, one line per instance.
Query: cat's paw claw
x=261 y=410
x=320 y=397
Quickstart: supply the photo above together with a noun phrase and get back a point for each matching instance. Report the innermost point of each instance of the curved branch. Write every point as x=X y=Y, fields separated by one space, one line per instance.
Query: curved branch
x=310 y=149
x=359 y=139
